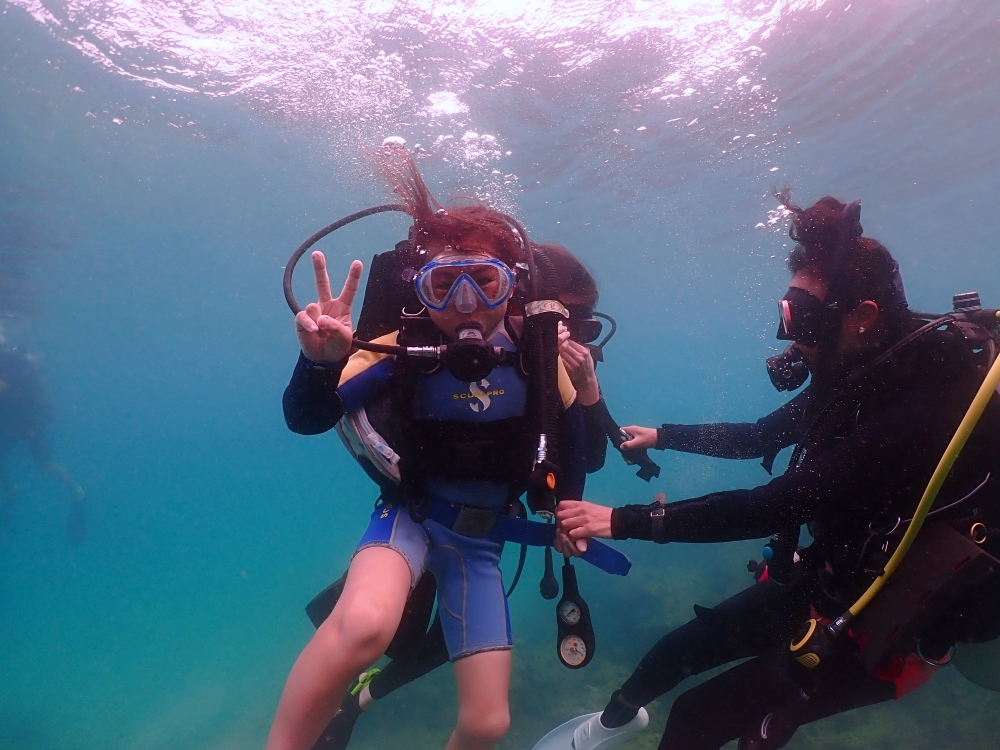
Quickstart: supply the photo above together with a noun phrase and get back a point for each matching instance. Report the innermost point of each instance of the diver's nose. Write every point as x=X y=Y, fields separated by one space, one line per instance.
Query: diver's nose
x=465 y=298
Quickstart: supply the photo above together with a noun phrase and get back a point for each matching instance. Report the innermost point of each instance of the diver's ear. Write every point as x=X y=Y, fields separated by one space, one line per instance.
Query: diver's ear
x=864 y=316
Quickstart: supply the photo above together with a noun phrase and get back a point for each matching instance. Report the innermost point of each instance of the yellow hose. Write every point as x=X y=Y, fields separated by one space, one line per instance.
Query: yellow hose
x=968 y=424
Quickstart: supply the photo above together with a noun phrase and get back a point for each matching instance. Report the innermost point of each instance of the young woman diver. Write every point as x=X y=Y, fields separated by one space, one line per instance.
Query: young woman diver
x=470 y=447
x=416 y=649
x=888 y=393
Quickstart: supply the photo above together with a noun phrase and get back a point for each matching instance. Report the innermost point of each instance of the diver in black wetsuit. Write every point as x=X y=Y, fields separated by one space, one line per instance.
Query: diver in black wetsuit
x=415 y=654
x=869 y=431
x=24 y=414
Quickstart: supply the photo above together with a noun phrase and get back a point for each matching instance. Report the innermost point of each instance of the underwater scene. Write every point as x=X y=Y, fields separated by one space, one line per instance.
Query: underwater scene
x=163 y=530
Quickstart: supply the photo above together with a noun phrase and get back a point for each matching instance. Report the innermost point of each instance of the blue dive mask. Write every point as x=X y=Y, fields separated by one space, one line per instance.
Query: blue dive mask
x=466 y=281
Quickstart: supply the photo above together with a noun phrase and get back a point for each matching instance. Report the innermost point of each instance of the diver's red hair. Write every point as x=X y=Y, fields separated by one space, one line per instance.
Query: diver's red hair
x=451 y=224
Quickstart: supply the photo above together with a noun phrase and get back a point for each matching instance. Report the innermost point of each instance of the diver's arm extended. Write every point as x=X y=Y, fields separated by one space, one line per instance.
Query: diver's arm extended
x=777 y=430
x=883 y=462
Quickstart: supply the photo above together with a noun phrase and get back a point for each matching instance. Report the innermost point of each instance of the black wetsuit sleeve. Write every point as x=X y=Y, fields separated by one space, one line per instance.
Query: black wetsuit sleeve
x=311 y=403
x=597 y=435
x=858 y=474
x=572 y=454
x=761 y=439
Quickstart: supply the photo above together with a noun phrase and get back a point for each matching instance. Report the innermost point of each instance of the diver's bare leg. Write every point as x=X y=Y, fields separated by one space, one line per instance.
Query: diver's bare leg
x=350 y=640
x=483 y=681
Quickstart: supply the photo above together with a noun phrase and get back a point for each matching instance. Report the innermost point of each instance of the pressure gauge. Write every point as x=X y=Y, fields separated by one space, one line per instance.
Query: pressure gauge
x=569 y=612
x=573 y=650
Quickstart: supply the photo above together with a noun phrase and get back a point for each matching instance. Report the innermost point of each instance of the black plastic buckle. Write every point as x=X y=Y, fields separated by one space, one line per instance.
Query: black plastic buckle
x=657 y=514
x=474 y=522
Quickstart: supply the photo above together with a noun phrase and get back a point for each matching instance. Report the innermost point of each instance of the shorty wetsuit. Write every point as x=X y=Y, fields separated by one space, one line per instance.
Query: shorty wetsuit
x=471 y=599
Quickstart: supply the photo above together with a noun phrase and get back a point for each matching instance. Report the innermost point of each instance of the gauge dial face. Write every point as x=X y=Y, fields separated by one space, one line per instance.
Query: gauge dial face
x=573 y=650
x=569 y=612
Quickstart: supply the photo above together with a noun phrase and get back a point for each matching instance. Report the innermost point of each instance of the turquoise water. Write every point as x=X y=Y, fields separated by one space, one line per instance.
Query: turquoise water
x=161 y=160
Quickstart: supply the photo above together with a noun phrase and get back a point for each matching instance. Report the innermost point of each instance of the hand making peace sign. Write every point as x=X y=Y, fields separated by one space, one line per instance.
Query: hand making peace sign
x=324 y=328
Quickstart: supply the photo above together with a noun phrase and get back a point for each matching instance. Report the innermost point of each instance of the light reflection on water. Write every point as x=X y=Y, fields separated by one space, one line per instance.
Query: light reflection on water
x=428 y=66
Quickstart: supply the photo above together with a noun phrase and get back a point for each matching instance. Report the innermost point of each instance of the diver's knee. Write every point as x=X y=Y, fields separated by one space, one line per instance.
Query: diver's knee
x=484 y=727
x=360 y=628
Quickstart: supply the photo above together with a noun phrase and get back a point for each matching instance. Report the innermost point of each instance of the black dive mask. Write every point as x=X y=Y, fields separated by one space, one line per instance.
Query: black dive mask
x=805 y=319
x=584 y=328
x=787 y=370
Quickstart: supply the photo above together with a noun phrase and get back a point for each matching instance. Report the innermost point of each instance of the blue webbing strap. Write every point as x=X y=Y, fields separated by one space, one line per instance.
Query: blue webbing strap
x=535 y=534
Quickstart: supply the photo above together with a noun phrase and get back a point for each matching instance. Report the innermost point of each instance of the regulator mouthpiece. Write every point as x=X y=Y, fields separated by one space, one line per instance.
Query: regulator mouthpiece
x=788 y=371
x=470 y=358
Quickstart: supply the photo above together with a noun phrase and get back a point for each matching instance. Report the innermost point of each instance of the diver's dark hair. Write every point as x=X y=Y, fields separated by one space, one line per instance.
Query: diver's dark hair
x=451 y=224
x=870 y=272
x=572 y=276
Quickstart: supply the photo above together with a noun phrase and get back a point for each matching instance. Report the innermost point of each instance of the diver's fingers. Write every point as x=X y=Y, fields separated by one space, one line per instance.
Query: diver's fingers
x=566 y=546
x=351 y=285
x=329 y=327
x=578 y=352
x=304 y=322
x=574 y=356
x=580 y=519
x=641 y=437
x=314 y=310
x=323 y=292
x=566 y=343
x=571 y=514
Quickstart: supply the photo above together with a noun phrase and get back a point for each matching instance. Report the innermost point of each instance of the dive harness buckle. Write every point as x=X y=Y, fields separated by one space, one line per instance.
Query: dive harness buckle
x=488 y=524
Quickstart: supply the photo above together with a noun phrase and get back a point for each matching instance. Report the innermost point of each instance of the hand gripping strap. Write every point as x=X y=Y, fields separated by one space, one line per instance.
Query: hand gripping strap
x=534 y=534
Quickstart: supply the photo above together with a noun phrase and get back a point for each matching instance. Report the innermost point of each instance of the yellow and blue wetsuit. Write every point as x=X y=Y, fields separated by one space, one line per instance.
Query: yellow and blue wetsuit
x=471 y=596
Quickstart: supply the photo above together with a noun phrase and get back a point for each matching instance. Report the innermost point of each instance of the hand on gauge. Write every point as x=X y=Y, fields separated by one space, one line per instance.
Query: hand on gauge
x=579 y=520
x=324 y=327
x=580 y=368
x=642 y=437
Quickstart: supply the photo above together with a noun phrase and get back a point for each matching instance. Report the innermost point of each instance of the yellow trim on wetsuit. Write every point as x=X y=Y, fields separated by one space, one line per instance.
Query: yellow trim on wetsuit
x=566 y=388
x=361 y=360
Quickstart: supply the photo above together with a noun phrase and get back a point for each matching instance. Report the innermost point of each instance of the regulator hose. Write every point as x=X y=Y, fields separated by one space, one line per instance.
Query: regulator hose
x=300 y=251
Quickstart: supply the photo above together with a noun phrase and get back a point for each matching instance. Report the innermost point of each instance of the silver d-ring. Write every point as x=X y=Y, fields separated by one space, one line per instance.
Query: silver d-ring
x=977 y=533
x=944 y=661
